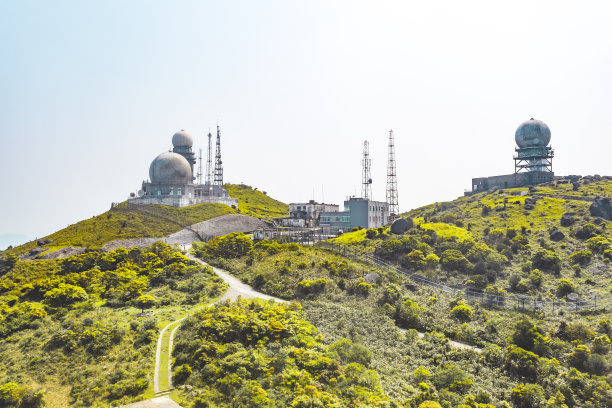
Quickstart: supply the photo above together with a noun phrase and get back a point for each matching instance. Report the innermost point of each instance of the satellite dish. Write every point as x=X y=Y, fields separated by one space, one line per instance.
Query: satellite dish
x=140 y=193
x=132 y=195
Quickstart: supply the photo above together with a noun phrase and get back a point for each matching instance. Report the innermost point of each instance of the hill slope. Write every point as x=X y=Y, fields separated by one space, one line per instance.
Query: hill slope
x=154 y=221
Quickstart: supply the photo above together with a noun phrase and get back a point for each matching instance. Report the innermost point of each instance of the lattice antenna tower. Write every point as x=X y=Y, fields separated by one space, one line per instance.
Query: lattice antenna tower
x=199 y=175
x=392 y=179
x=218 y=162
x=366 y=162
x=209 y=165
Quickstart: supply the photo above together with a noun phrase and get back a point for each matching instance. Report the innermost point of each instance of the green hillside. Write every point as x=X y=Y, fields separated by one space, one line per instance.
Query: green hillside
x=72 y=331
x=256 y=203
x=512 y=240
x=152 y=221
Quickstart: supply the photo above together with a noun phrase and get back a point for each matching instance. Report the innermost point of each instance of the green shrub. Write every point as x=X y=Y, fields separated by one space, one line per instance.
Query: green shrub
x=462 y=313
x=565 y=287
x=452 y=378
x=546 y=260
x=582 y=257
x=371 y=233
x=181 y=374
x=408 y=314
x=453 y=260
x=527 y=396
x=598 y=244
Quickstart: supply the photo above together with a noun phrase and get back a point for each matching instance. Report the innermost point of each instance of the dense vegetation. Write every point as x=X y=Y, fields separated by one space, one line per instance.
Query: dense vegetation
x=253 y=354
x=72 y=331
x=525 y=241
x=155 y=221
x=527 y=360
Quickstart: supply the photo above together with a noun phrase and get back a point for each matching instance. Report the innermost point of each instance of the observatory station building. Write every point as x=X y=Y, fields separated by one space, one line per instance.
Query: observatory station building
x=172 y=181
x=532 y=161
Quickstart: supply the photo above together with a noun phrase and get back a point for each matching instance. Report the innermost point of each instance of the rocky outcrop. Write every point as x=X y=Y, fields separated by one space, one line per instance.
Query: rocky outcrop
x=601 y=208
x=401 y=225
x=567 y=220
x=557 y=236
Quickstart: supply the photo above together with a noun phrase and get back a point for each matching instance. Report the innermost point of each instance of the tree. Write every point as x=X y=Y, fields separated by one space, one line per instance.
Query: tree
x=65 y=294
x=527 y=335
x=527 y=396
x=145 y=302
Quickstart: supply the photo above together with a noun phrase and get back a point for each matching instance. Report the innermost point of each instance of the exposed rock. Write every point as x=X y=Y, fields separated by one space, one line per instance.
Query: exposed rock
x=43 y=241
x=573 y=297
x=401 y=225
x=557 y=236
x=567 y=220
x=33 y=253
x=371 y=278
x=601 y=208
x=63 y=253
x=529 y=207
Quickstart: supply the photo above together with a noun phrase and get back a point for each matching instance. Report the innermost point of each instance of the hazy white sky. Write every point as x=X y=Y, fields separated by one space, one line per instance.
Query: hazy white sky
x=91 y=92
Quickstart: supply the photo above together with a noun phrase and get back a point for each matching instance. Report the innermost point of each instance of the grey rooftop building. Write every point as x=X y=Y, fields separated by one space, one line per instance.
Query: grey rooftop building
x=171 y=179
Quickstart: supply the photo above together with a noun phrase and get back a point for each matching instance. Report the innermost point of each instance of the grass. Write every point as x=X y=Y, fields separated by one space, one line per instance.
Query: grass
x=256 y=203
x=134 y=222
x=155 y=221
x=351 y=237
x=447 y=231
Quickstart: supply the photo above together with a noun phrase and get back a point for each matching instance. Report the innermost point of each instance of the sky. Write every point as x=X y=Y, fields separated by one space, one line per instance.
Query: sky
x=91 y=92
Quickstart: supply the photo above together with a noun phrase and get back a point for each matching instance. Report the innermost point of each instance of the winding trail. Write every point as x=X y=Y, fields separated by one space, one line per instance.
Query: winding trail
x=162 y=380
x=162 y=383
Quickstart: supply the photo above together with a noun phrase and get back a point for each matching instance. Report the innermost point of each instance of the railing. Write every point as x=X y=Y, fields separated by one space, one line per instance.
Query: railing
x=510 y=300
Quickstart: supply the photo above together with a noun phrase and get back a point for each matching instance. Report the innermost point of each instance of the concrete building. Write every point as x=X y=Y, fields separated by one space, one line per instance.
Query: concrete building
x=172 y=179
x=308 y=212
x=358 y=212
x=532 y=162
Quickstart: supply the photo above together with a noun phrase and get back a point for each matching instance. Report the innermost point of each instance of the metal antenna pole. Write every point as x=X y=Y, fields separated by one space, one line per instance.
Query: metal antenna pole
x=366 y=188
x=200 y=168
x=218 y=162
x=209 y=166
x=392 y=179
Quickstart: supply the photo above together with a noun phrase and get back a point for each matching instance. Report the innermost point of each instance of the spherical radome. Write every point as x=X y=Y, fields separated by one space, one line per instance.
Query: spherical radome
x=532 y=133
x=182 y=139
x=170 y=168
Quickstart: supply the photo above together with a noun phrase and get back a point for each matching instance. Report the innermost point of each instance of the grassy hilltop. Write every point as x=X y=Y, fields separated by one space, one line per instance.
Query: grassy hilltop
x=152 y=221
x=542 y=241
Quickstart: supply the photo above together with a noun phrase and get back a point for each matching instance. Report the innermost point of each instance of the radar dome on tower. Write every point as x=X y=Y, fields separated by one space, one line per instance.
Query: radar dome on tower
x=182 y=139
x=532 y=133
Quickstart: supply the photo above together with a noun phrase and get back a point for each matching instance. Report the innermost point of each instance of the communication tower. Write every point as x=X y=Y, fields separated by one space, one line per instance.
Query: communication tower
x=366 y=162
x=209 y=166
x=392 y=179
x=199 y=175
x=218 y=162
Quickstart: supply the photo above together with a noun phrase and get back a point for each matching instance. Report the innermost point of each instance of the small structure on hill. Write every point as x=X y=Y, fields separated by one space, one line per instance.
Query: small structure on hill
x=532 y=162
x=172 y=177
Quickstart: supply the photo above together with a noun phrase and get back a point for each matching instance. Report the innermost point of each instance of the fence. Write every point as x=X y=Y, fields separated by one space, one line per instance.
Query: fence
x=509 y=300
